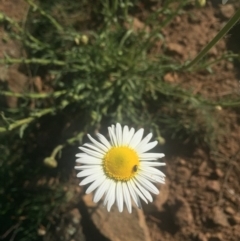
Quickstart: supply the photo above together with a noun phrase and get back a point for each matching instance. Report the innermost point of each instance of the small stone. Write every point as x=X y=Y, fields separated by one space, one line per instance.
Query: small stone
x=236 y=219
x=182 y=162
x=76 y=216
x=213 y=186
x=175 y=48
x=201 y=237
x=183 y=215
x=41 y=231
x=219 y=172
x=216 y=237
x=170 y=77
x=219 y=218
x=183 y=174
x=229 y=210
x=213 y=51
x=137 y=25
x=227 y=10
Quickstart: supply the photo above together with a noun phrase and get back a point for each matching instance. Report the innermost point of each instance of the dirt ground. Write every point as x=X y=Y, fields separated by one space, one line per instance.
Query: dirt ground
x=201 y=198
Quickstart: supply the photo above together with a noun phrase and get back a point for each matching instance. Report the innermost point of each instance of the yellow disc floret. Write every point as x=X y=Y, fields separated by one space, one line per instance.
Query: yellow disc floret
x=121 y=163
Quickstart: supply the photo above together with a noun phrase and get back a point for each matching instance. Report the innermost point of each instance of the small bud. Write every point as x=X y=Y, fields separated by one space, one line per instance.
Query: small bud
x=84 y=39
x=50 y=162
x=201 y=3
x=161 y=140
x=76 y=41
x=218 y=107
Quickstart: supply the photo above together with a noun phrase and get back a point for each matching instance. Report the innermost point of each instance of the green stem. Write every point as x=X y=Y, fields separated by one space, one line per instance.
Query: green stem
x=21 y=30
x=216 y=61
x=33 y=95
x=220 y=34
x=42 y=12
x=26 y=120
x=32 y=61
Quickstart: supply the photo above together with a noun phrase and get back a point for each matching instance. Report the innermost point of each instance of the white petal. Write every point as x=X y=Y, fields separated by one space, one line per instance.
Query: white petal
x=82 y=154
x=111 y=199
x=152 y=177
x=136 y=138
x=143 y=190
x=82 y=167
x=152 y=164
x=104 y=140
x=91 y=178
x=152 y=170
x=89 y=160
x=98 y=144
x=111 y=131
x=108 y=191
x=148 y=147
x=119 y=134
x=127 y=197
x=137 y=191
x=119 y=196
x=125 y=135
x=95 y=184
x=147 y=156
x=144 y=141
x=92 y=153
x=94 y=148
x=134 y=195
x=88 y=172
x=130 y=135
x=147 y=184
x=101 y=190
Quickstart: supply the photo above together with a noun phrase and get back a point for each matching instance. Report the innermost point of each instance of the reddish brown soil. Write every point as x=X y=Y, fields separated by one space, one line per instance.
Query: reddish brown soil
x=201 y=198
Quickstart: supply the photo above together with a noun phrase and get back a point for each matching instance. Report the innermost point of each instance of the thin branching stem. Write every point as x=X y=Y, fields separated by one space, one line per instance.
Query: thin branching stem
x=219 y=35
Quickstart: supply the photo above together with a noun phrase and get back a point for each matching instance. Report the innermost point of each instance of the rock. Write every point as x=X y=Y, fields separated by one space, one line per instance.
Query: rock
x=236 y=219
x=41 y=231
x=183 y=174
x=216 y=237
x=119 y=226
x=213 y=186
x=219 y=172
x=182 y=162
x=213 y=51
x=229 y=210
x=137 y=25
x=175 y=48
x=183 y=214
x=219 y=218
x=201 y=237
x=170 y=77
x=227 y=10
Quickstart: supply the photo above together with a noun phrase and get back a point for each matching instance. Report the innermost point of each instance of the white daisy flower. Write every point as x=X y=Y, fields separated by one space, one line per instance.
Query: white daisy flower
x=120 y=168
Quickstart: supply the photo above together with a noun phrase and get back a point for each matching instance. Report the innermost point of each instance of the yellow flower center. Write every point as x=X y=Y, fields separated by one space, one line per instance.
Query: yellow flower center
x=120 y=163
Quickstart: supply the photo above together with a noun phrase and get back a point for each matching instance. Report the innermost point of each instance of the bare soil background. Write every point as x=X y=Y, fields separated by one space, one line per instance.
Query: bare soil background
x=201 y=198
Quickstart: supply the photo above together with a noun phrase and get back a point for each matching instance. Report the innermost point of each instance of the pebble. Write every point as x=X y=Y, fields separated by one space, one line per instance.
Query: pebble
x=219 y=218
x=213 y=186
x=229 y=210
